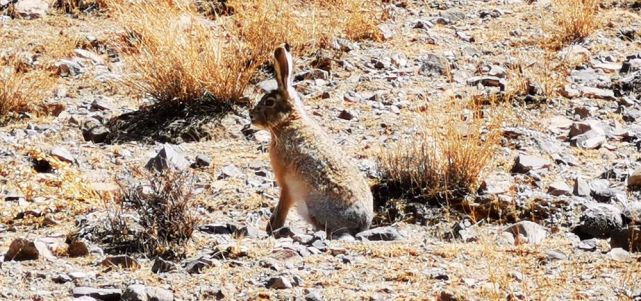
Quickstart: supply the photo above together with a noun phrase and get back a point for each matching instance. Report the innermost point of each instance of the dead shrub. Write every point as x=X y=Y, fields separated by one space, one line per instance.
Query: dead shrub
x=445 y=159
x=155 y=216
x=572 y=21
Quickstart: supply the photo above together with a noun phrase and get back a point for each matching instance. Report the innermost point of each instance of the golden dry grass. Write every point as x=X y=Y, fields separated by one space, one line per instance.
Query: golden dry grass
x=572 y=20
x=446 y=158
x=22 y=92
x=180 y=56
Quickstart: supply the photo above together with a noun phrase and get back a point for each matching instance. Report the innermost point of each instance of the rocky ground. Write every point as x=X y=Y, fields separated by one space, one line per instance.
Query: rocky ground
x=563 y=185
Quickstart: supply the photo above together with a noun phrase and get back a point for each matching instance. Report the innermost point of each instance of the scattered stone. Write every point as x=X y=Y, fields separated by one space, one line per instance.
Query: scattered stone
x=527 y=232
x=102 y=103
x=103 y=294
x=22 y=249
x=138 y=292
x=632 y=213
x=163 y=266
x=31 y=9
x=202 y=161
x=619 y=254
x=230 y=171
x=62 y=278
x=94 y=131
x=167 y=158
x=279 y=283
x=381 y=233
x=559 y=188
x=283 y=232
x=432 y=64
x=555 y=255
x=77 y=248
x=581 y=188
x=526 y=163
x=63 y=154
x=313 y=296
x=599 y=220
x=588 y=245
x=600 y=190
x=464 y=36
x=346 y=115
x=92 y=56
x=121 y=261
x=464 y=231
x=496 y=184
x=250 y=232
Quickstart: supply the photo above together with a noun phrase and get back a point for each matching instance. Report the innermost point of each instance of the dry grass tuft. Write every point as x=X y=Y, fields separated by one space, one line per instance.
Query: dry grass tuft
x=75 y=6
x=573 y=20
x=180 y=56
x=445 y=160
x=22 y=92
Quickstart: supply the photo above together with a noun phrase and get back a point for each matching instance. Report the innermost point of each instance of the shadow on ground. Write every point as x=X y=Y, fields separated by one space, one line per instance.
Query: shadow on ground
x=169 y=124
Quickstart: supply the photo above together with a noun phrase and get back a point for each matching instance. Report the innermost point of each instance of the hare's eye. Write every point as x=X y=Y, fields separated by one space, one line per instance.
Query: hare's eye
x=269 y=102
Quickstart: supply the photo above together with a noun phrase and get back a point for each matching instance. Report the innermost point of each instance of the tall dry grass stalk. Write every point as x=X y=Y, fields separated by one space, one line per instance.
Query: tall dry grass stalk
x=572 y=20
x=182 y=56
x=445 y=160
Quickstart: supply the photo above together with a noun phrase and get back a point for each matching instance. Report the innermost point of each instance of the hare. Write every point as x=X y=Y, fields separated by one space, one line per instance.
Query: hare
x=311 y=170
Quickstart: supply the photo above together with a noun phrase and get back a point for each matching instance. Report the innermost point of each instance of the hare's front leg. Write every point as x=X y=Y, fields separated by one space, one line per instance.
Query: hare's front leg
x=280 y=212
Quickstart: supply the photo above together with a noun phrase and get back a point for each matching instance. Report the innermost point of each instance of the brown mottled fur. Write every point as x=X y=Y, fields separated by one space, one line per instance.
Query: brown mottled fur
x=310 y=168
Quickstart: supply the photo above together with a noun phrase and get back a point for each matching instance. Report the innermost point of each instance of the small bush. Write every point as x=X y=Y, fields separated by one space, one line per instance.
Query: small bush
x=446 y=159
x=573 y=20
x=156 y=216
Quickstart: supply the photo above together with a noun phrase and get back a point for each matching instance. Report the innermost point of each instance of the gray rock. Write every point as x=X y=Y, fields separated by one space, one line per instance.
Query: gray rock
x=526 y=163
x=313 y=296
x=583 y=127
x=627 y=238
x=591 y=92
x=581 y=187
x=346 y=115
x=599 y=220
x=138 y=292
x=22 y=249
x=600 y=190
x=590 y=140
x=31 y=9
x=496 y=184
x=588 y=245
x=63 y=154
x=381 y=233
x=527 y=232
x=202 y=161
x=555 y=255
x=163 y=266
x=104 y=294
x=94 y=131
x=167 y=158
x=279 y=282
x=432 y=64
x=250 y=232
x=559 y=188
x=230 y=171
x=62 y=278
x=619 y=254
x=464 y=36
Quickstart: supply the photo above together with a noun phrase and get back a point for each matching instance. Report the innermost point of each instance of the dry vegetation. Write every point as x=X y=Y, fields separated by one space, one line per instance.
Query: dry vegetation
x=182 y=57
x=23 y=91
x=447 y=157
x=572 y=21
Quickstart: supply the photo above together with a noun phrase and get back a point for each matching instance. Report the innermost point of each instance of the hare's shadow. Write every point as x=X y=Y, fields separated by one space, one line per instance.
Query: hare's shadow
x=174 y=123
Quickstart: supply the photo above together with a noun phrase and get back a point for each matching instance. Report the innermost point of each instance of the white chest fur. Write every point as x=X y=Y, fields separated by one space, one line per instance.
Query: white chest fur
x=299 y=192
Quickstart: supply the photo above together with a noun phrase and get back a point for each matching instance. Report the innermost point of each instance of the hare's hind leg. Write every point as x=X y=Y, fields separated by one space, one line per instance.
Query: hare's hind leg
x=279 y=215
x=337 y=217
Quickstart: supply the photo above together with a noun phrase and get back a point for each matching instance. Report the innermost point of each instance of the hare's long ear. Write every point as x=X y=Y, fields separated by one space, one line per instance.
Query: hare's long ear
x=284 y=67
